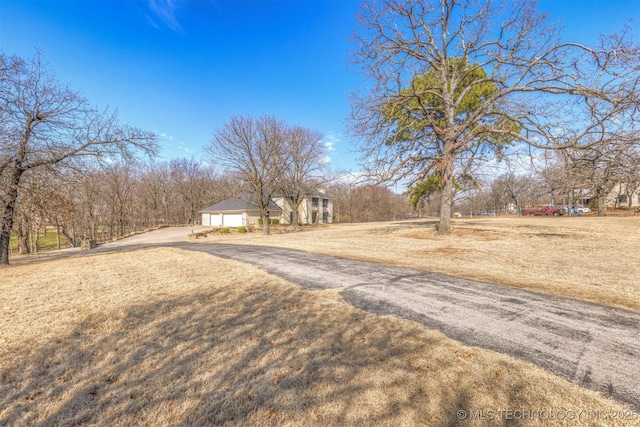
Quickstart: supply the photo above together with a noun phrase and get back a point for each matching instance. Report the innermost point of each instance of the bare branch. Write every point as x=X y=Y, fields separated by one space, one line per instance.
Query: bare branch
x=460 y=79
x=44 y=124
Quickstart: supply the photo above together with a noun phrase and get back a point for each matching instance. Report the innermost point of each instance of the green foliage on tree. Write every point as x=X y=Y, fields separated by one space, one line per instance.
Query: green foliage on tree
x=421 y=104
x=419 y=113
x=433 y=185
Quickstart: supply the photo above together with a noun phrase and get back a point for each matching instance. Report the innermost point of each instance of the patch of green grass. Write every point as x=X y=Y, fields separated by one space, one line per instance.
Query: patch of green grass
x=46 y=241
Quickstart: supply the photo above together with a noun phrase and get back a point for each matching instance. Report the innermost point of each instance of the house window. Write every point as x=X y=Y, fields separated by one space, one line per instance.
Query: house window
x=325 y=203
x=622 y=198
x=325 y=217
x=314 y=202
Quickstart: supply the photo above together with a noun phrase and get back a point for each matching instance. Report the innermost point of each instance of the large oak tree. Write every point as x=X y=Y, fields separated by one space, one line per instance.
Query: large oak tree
x=452 y=82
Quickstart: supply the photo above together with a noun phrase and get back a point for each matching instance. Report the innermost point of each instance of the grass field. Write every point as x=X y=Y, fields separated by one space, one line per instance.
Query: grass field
x=165 y=337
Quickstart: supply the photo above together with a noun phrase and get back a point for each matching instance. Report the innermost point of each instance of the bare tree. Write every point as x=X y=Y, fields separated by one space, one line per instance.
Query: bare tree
x=155 y=193
x=86 y=206
x=630 y=179
x=36 y=206
x=301 y=161
x=595 y=171
x=510 y=188
x=339 y=184
x=250 y=148
x=195 y=184
x=461 y=80
x=118 y=187
x=375 y=203
x=46 y=124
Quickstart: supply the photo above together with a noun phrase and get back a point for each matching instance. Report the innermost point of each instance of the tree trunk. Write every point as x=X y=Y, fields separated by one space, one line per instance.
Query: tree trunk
x=4 y=246
x=295 y=205
x=57 y=234
x=71 y=236
x=602 y=205
x=444 y=226
x=36 y=240
x=24 y=246
x=7 y=217
x=629 y=193
x=265 y=223
x=446 y=196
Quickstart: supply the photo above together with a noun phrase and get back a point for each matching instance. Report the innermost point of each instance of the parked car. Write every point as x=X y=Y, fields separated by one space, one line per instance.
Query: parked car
x=581 y=209
x=545 y=210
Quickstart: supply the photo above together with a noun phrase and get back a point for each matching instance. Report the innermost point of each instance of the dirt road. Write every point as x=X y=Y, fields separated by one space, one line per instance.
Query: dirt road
x=594 y=346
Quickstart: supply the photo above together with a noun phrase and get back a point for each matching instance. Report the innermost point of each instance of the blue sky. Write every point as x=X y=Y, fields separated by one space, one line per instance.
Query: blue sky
x=182 y=68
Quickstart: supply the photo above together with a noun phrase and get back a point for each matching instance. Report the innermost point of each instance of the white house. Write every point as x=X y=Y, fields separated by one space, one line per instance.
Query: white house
x=624 y=195
x=315 y=208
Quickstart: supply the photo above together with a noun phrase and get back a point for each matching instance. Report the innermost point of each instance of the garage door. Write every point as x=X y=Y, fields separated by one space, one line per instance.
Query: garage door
x=232 y=220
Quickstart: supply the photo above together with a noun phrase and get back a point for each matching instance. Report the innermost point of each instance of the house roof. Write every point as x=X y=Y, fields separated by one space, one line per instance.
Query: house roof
x=310 y=192
x=320 y=194
x=236 y=204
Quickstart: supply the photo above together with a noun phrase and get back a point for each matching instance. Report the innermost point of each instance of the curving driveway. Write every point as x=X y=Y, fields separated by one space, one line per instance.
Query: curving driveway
x=595 y=346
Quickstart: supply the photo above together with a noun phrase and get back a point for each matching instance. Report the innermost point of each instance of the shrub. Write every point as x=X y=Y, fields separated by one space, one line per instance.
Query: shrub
x=225 y=230
x=273 y=221
x=242 y=230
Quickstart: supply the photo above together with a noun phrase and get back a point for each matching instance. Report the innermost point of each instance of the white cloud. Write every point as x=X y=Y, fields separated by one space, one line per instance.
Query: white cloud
x=165 y=10
x=330 y=141
x=172 y=147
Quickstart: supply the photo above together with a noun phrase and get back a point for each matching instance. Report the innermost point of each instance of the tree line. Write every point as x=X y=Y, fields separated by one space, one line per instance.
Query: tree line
x=103 y=202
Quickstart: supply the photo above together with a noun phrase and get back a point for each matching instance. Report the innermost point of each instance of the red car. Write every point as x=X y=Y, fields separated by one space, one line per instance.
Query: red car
x=545 y=210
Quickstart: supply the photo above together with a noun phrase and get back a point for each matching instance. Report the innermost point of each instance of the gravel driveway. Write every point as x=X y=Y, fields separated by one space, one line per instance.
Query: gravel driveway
x=595 y=346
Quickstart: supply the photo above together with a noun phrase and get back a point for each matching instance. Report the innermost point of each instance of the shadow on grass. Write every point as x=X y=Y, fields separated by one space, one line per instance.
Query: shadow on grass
x=259 y=355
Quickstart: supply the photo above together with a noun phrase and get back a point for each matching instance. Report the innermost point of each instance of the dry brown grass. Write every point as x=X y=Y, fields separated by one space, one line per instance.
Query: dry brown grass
x=166 y=337
x=594 y=259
